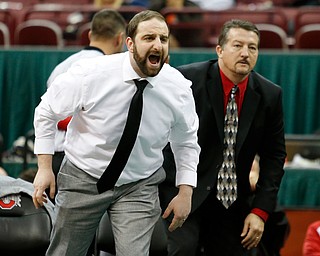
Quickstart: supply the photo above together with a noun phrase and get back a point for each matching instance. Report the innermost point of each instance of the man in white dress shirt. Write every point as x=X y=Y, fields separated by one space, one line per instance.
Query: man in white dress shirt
x=106 y=36
x=97 y=93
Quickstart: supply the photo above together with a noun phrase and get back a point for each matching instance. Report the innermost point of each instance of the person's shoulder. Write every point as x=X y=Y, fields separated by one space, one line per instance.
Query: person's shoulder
x=169 y=77
x=172 y=74
x=170 y=71
x=86 y=53
x=263 y=81
x=82 y=54
x=201 y=65
x=197 y=70
x=101 y=63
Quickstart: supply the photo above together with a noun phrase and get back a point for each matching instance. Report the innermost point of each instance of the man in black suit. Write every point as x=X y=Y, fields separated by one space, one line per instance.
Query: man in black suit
x=236 y=230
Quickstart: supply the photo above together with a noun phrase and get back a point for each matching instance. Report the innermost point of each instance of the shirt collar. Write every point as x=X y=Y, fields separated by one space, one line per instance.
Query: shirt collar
x=129 y=73
x=227 y=84
x=93 y=48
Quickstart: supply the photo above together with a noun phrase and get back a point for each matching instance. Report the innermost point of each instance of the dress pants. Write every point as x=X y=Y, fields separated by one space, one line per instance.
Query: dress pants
x=133 y=208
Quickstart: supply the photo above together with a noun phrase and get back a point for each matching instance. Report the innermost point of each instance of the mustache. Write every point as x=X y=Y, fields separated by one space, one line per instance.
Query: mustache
x=244 y=61
x=156 y=53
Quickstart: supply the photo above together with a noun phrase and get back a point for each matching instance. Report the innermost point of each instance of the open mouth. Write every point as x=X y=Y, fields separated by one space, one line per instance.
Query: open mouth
x=154 y=59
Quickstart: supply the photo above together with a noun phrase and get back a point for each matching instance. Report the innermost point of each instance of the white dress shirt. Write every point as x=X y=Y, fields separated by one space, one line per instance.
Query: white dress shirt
x=88 y=52
x=97 y=93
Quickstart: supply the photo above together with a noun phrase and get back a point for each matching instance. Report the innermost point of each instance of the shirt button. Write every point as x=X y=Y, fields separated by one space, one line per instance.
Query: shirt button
x=208 y=188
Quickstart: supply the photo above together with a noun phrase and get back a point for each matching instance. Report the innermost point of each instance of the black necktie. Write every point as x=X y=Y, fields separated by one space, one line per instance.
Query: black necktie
x=128 y=138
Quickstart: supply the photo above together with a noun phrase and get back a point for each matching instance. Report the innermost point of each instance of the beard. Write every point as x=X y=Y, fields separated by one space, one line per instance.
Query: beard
x=242 y=72
x=142 y=62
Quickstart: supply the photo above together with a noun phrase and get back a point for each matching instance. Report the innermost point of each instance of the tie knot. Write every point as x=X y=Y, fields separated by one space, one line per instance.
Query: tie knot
x=141 y=84
x=234 y=89
x=233 y=92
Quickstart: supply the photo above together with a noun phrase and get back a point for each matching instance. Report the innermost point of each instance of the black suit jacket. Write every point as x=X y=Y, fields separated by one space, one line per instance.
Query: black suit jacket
x=260 y=131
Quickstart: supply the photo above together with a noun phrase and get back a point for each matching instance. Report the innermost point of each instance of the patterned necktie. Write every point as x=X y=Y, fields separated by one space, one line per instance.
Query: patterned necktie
x=227 y=178
x=128 y=138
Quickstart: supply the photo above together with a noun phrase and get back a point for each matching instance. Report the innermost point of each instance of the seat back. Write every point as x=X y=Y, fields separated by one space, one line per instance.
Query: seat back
x=8 y=16
x=82 y=35
x=308 y=37
x=70 y=17
x=24 y=229
x=105 y=240
x=39 y=32
x=307 y=15
x=4 y=35
x=195 y=27
x=272 y=37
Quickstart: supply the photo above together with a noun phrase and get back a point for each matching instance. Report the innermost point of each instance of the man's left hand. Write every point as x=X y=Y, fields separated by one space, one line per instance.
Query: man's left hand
x=180 y=205
x=252 y=231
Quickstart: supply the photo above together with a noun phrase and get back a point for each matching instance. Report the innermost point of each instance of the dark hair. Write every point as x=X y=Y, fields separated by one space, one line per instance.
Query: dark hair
x=107 y=24
x=247 y=25
x=140 y=17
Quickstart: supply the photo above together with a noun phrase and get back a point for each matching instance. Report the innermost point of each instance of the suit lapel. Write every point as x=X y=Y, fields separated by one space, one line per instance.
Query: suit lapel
x=215 y=93
x=248 y=111
x=249 y=107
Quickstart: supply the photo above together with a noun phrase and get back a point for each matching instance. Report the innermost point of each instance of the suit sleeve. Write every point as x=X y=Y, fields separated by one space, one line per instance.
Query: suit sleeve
x=272 y=156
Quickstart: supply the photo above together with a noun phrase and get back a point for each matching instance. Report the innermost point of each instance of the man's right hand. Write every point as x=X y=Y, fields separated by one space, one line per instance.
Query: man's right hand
x=44 y=179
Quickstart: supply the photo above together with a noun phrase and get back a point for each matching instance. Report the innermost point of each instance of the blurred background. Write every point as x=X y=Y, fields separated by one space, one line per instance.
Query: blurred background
x=36 y=35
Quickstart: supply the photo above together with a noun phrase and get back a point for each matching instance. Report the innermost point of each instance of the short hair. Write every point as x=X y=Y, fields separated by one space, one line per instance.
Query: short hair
x=247 y=25
x=140 y=17
x=107 y=24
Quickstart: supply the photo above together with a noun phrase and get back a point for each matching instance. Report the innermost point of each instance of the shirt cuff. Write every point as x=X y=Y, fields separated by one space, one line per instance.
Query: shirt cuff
x=262 y=214
x=44 y=146
x=186 y=178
